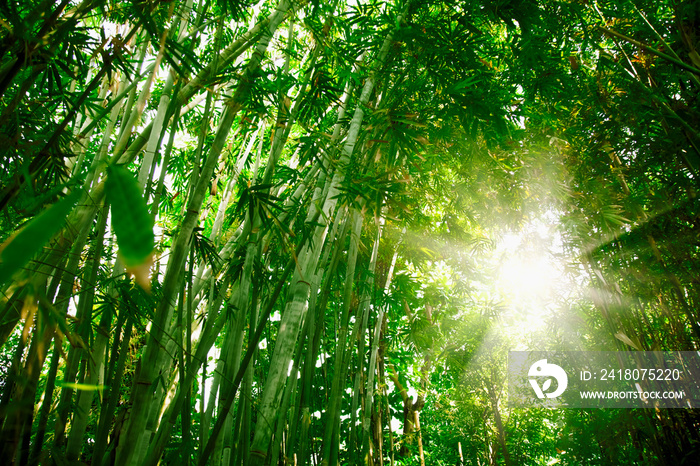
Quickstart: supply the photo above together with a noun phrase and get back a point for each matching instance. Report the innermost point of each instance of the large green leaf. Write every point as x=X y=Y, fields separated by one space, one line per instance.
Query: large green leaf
x=19 y=250
x=131 y=221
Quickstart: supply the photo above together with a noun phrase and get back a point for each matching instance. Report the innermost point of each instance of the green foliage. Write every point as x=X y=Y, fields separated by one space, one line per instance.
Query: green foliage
x=569 y=126
x=20 y=248
x=131 y=220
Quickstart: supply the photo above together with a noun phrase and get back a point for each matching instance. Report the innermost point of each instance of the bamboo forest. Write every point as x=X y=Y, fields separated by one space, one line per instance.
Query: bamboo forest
x=305 y=232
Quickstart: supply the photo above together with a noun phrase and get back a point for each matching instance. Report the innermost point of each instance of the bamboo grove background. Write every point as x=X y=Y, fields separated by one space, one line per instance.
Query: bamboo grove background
x=258 y=233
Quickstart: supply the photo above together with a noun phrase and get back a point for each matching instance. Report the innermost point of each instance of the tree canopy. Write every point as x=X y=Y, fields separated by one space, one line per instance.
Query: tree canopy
x=303 y=232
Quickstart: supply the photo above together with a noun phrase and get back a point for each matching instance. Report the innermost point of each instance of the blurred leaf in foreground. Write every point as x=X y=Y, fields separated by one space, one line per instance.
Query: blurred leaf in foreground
x=19 y=249
x=131 y=222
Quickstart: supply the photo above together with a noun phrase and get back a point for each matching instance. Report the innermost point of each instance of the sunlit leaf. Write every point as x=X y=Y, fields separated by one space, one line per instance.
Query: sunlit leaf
x=627 y=340
x=131 y=221
x=18 y=250
x=80 y=386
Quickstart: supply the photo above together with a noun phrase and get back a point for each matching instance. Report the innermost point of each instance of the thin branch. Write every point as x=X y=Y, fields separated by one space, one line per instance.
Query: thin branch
x=651 y=49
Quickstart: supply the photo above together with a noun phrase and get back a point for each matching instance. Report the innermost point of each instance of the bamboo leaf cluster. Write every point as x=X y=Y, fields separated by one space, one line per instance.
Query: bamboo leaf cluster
x=318 y=203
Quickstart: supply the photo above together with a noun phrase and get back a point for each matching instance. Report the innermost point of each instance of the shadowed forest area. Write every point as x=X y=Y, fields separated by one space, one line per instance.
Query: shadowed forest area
x=309 y=232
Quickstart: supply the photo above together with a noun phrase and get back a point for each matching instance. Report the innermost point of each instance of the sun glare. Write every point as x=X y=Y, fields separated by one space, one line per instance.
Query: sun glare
x=530 y=274
x=525 y=274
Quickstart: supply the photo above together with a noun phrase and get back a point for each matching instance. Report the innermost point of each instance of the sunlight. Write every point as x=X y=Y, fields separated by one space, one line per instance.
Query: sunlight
x=530 y=275
x=526 y=275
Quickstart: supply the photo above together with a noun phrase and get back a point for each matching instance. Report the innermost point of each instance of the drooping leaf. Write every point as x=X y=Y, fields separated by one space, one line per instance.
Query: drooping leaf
x=462 y=85
x=628 y=341
x=131 y=221
x=19 y=249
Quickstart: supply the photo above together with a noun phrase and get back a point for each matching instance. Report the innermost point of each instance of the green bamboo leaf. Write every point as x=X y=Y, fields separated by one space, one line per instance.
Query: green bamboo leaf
x=628 y=341
x=471 y=81
x=25 y=244
x=131 y=221
x=80 y=386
